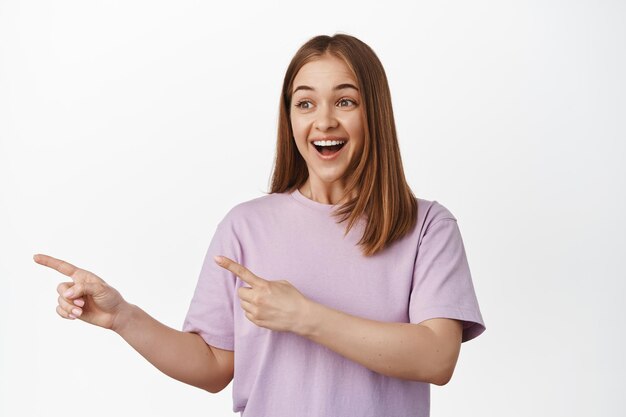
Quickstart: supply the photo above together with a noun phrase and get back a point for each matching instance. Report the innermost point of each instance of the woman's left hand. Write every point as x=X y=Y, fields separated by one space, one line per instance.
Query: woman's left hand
x=275 y=305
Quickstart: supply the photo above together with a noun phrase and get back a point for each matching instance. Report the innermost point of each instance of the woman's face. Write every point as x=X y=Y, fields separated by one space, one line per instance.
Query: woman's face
x=326 y=106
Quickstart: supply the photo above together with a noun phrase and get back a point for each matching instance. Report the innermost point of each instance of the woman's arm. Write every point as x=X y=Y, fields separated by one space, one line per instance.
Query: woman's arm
x=181 y=355
x=425 y=352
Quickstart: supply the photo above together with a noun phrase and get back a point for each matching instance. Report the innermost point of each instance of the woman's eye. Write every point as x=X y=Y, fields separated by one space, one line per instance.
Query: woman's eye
x=345 y=102
x=304 y=104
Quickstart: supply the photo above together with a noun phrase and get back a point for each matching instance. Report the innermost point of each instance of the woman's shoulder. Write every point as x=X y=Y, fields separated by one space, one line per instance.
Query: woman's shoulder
x=431 y=211
x=264 y=205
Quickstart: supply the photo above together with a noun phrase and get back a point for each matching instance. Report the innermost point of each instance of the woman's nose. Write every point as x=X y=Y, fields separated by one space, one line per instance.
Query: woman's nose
x=326 y=118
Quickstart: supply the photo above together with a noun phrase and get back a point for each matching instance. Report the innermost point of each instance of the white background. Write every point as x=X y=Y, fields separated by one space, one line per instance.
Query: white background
x=129 y=128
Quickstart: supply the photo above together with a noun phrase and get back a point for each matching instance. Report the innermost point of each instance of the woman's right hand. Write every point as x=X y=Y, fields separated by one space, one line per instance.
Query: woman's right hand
x=87 y=297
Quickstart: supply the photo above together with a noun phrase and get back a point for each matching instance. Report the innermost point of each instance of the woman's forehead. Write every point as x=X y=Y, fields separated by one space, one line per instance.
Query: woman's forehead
x=324 y=71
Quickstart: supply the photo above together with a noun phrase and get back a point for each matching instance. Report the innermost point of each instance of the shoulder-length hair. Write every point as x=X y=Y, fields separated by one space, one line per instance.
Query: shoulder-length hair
x=384 y=198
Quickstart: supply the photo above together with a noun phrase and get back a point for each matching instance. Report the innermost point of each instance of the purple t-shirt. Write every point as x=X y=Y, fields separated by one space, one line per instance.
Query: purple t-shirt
x=289 y=236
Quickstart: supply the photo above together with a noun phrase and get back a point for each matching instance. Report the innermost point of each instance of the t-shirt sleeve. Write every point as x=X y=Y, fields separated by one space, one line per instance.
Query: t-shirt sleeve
x=442 y=284
x=210 y=313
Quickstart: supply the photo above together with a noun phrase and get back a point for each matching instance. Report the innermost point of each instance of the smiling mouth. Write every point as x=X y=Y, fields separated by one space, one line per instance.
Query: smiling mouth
x=329 y=150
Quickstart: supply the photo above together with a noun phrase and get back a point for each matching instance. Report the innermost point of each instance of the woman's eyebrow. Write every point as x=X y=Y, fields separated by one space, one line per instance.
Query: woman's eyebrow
x=338 y=87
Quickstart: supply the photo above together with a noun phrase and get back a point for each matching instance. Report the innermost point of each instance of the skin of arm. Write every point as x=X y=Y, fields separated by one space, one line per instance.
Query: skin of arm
x=181 y=355
x=184 y=356
x=426 y=352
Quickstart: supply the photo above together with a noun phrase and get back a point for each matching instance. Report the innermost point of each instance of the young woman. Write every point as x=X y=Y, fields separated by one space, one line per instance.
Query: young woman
x=339 y=293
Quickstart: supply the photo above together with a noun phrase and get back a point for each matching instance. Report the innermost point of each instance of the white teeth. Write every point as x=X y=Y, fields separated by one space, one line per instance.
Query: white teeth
x=328 y=142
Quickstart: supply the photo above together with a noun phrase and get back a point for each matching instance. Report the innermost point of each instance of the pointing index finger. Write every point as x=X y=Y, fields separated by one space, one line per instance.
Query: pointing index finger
x=242 y=272
x=63 y=267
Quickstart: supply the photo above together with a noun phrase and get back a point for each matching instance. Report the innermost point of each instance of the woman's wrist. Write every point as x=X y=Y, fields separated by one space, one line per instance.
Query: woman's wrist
x=123 y=316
